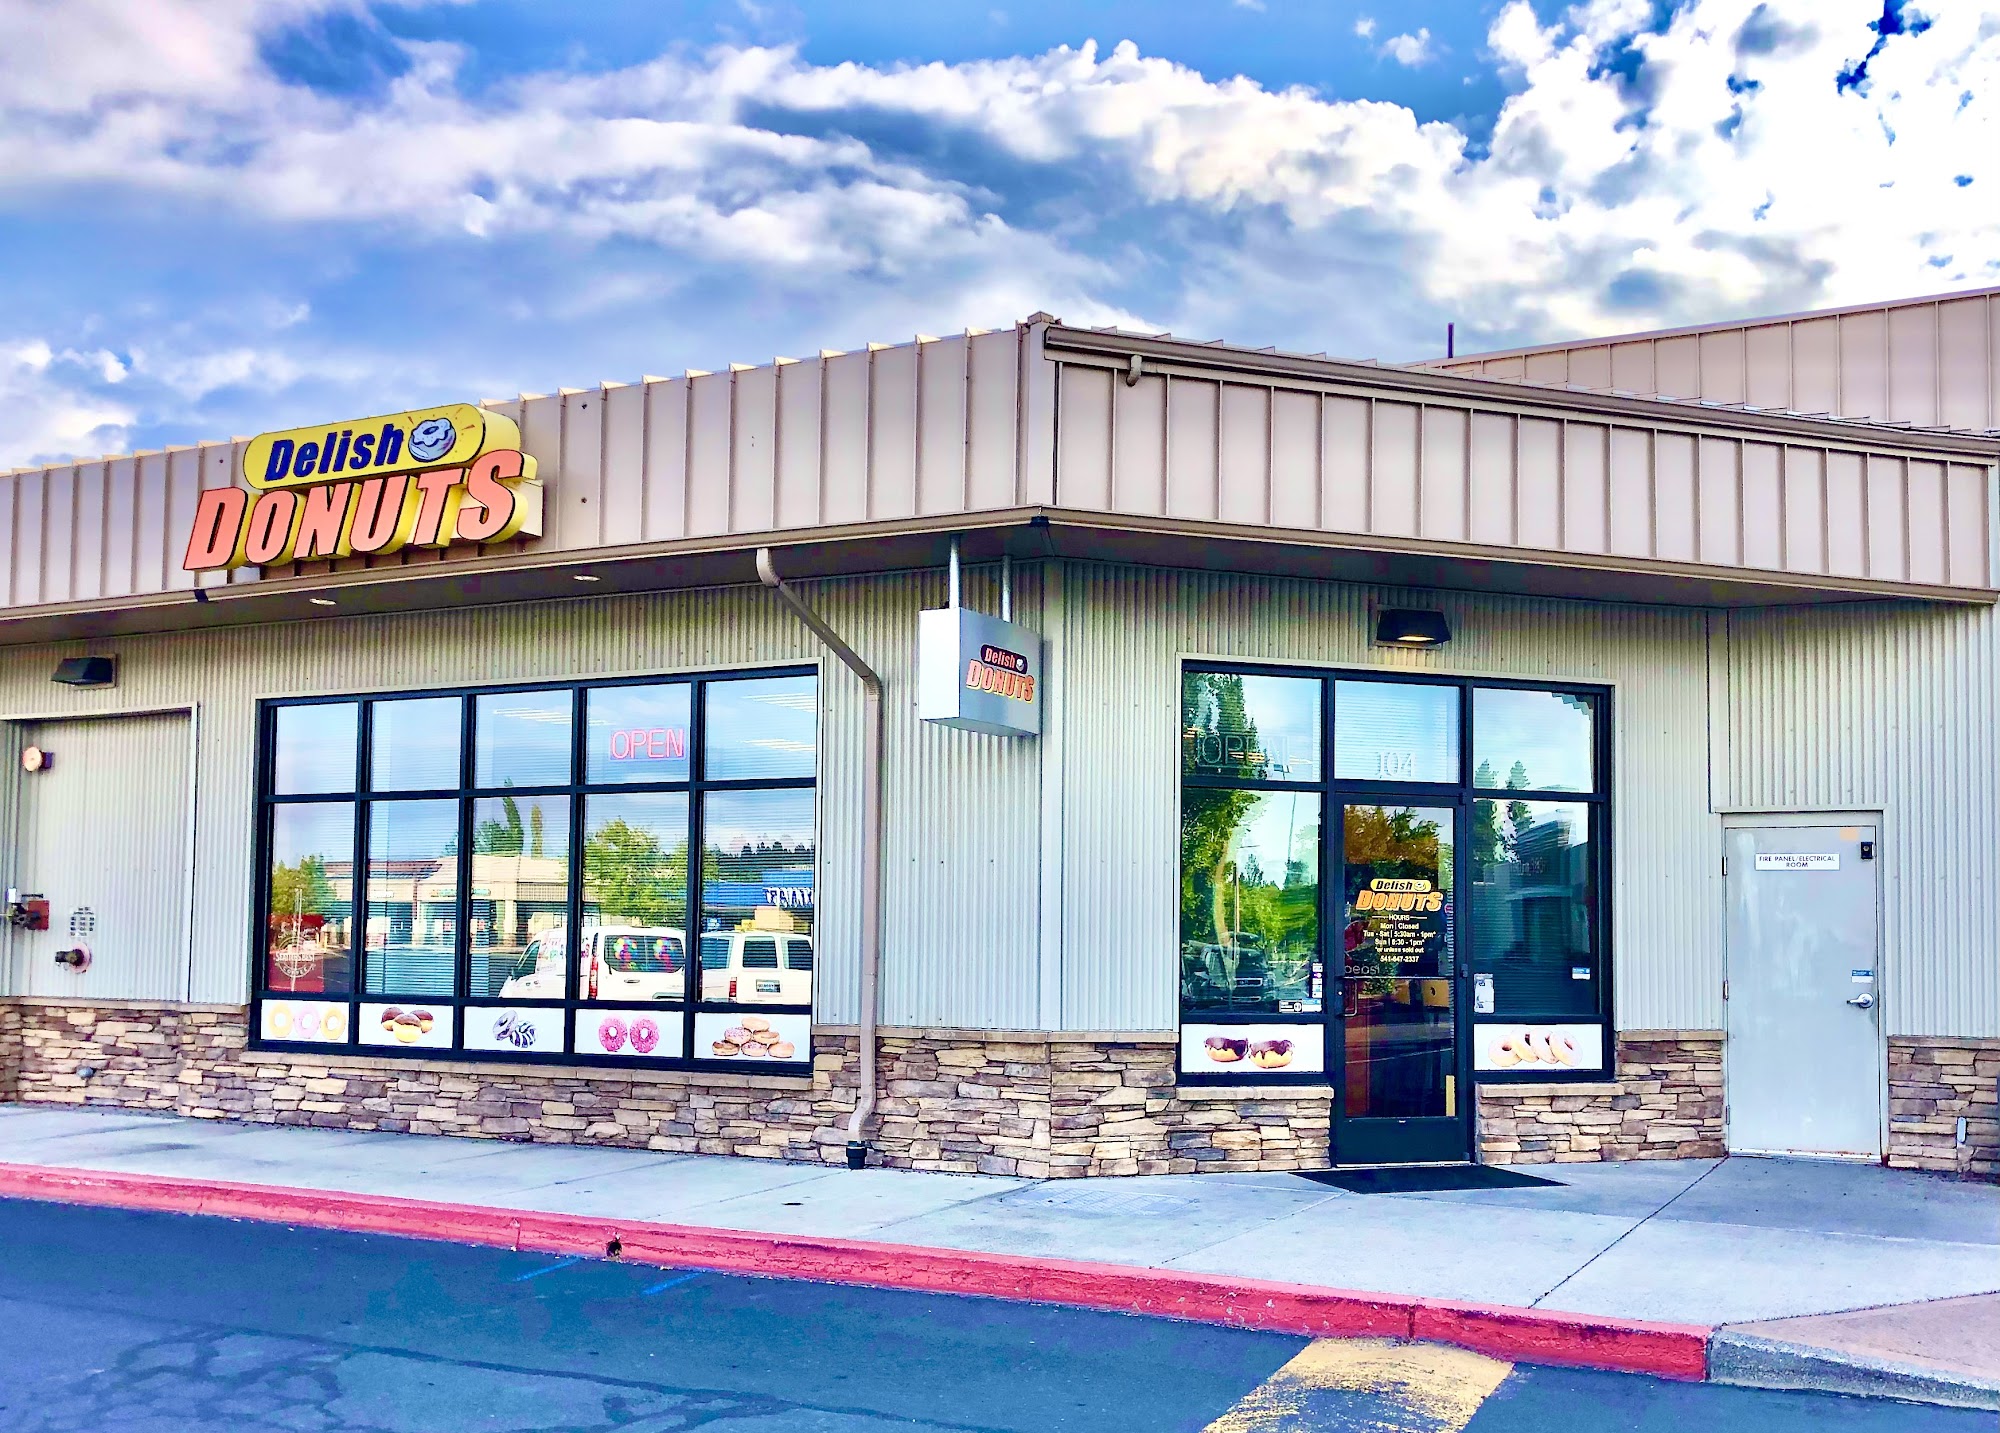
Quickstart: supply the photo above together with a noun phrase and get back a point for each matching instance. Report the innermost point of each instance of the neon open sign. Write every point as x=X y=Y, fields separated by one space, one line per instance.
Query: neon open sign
x=649 y=743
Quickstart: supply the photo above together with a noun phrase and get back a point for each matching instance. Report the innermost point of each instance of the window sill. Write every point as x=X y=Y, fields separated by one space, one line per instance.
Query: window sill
x=495 y=1069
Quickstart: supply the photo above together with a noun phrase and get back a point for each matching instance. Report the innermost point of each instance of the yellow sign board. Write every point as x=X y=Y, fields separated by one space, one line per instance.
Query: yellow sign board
x=447 y=437
x=366 y=488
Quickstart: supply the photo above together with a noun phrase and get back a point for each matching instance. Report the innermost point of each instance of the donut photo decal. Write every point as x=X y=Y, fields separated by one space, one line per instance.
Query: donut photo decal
x=1537 y=1049
x=1249 y=1049
x=408 y=1023
x=753 y=1039
x=318 y=1022
x=515 y=1029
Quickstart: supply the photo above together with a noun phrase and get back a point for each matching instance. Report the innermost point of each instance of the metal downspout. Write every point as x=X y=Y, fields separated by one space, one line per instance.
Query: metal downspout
x=871 y=847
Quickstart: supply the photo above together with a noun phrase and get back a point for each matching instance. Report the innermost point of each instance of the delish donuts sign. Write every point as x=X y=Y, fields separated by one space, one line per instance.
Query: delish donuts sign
x=368 y=488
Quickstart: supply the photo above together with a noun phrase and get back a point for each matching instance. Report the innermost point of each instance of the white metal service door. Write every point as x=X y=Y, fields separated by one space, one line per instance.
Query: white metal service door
x=1803 y=1062
x=103 y=834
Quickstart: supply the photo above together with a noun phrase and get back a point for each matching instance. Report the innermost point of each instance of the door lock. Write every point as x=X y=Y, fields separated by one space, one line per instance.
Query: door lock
x=1863 y=1001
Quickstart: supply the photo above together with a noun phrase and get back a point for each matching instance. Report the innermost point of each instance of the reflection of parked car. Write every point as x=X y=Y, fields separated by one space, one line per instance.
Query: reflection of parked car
x=620 y=962
x=757 y=967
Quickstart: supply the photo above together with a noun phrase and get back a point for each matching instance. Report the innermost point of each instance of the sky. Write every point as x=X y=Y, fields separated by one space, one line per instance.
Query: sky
x=224 y=217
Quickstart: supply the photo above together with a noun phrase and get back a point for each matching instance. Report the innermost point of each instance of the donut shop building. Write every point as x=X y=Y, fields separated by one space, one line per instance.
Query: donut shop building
x=1047 y=751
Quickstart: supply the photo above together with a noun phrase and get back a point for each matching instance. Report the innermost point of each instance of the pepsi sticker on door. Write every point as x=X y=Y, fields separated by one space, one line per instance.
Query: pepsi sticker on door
x=746 y=1039
x=519 y=1030
x=1250 y=1049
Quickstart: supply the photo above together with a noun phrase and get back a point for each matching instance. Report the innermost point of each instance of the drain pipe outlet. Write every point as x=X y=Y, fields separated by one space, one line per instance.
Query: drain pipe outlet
x=871 y=847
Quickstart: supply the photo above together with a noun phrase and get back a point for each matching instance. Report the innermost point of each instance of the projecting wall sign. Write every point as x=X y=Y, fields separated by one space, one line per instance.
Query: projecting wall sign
x=978 y=673
x=368 y=487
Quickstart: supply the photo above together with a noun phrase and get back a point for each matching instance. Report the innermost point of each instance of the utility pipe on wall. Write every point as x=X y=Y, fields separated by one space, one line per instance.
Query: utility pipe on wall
x=871 y=847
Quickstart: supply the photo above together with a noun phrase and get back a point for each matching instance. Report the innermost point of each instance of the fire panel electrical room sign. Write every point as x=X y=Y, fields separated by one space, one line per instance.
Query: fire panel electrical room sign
x=368 y=487
x=978 y=673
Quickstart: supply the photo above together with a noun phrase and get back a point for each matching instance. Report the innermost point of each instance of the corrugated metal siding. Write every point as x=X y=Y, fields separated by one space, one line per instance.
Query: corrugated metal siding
x=1124 y=633
x=894 y=431
x=962 y=815
x=1260 y=453
x=1930 y=361
x=106 y=828
x=1890 y=709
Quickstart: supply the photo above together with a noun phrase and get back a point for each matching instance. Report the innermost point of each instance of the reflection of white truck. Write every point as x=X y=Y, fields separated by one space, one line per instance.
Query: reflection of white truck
x=620 y=962
x=757 y=967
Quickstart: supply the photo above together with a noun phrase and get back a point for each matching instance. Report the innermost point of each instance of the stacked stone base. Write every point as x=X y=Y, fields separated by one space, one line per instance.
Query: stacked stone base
x=959 y=1101
x=1666 y=1103
x=1933 y=1084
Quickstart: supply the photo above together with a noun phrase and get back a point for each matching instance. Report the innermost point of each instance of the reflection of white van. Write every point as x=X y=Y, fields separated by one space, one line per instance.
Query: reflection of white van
x=620 y=962
x=757 y=967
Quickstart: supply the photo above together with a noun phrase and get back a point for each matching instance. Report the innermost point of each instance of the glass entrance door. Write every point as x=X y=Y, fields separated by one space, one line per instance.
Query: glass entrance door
x=1404 y=1094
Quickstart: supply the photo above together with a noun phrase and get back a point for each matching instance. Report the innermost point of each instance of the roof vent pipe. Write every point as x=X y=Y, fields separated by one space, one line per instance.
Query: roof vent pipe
x=871 y=842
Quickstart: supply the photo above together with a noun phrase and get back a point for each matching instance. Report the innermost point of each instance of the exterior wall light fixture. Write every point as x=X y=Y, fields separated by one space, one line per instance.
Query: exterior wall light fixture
x=1411 y=627
x=87 y=672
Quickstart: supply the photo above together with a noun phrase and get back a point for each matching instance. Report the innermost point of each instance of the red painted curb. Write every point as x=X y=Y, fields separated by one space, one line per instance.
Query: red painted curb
x=1678 y=1351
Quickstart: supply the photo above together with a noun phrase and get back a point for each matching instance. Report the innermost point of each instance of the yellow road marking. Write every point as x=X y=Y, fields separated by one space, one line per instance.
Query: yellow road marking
x=1412 y=1388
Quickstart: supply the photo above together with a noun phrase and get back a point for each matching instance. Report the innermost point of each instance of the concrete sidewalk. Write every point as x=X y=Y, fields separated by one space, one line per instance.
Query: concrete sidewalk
x=1707 y=1242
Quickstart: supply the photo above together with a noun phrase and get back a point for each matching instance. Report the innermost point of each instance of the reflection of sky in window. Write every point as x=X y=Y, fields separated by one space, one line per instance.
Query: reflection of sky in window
x=1285 y=712
x=318 y=829
x=411 y=831
x=489 y=812
x=414 y=744
x=316 y=748
x=522 y=739
x=1395 y=731
x=1279 y=828
x=735 y=819
x=1549 y=733
x=766 y=727
x=661 y=814
x=623 y=722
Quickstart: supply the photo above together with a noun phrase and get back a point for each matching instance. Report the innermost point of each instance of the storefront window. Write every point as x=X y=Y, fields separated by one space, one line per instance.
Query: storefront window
x=1533 y=903
x=312 y=748
x=412 y=898
x=757 y=898
x=309 y=900
x=415 y=744
x=1250 y=902
x=761 y=730
x=1533 y=741
x=522 y=739
x=483 y=934
x=1395 y=731
x=1250 y=728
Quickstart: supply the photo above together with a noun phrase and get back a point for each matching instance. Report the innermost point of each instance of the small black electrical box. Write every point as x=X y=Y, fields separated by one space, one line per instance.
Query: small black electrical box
x=1867 y=850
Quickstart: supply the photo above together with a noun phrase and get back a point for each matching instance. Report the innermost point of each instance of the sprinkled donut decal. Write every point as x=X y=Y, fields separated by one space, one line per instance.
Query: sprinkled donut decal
x=432 y=439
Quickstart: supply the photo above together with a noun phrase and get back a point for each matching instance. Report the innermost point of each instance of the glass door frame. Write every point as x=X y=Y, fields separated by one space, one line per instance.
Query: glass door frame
x=1413 y=1139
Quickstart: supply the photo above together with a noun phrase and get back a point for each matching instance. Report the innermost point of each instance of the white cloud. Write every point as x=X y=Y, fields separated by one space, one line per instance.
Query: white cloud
x=1632 y=178
x=1411 y=50
x=50 y=410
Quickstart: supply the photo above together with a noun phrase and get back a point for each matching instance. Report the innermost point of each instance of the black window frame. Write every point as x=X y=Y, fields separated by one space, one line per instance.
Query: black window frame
x=578 y=790
x=1335 y=792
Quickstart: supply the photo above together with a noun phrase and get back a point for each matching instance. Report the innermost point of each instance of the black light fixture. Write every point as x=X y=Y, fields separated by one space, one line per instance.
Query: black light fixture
x=1411 y=627
x=87 y=672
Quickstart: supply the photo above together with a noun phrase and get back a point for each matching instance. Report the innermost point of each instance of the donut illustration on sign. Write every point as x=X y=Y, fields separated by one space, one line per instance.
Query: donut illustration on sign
x=611 y=1035
x=645 y=1035
x=432 y=439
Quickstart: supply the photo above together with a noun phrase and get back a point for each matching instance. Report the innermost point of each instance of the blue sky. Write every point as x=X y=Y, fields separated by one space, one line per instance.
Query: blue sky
x=228 y=216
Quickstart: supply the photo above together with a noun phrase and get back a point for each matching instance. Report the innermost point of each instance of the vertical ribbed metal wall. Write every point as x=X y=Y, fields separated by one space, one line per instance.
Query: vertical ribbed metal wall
x=962 y=829
x=1891 y=709
x=1125 y=632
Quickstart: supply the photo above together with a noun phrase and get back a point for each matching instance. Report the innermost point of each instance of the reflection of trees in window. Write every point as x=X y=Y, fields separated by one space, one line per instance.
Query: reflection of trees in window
x=1216 y=726
x=1389 y=841
x=1248 y=934
x=633 y=879
x=506 y=836
x=301 y=890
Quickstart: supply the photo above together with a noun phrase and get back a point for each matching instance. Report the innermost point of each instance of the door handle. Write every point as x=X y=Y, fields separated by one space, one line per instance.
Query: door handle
x=1863 y=1001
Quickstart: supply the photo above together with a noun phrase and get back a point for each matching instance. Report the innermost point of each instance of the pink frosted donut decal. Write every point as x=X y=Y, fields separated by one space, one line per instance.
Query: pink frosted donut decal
x=645 y=1035
x=611 y=1035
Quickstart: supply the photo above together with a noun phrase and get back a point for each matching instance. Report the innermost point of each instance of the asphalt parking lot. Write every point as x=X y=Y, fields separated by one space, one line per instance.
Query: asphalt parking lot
x=118 y=1321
